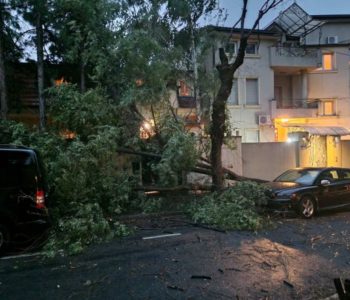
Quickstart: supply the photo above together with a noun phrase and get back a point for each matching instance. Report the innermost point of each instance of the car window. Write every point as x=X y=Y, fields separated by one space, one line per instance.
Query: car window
x=306 y=177
x=331 y=175
x=345 y=174
x=17 y=169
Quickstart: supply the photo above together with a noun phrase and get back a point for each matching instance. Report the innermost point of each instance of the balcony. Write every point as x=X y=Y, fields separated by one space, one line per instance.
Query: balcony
x=299 y=109
x=294 y=57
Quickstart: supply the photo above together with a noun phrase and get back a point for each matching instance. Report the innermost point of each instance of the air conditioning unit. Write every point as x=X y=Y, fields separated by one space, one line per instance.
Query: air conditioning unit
x=264 y=120
x=332 y=39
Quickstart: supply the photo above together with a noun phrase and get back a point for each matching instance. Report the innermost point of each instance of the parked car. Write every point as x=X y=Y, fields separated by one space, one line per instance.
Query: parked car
x=23 y=194
x=309 y=190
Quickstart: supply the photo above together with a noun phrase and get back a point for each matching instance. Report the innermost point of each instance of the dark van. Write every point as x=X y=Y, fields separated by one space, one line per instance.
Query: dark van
x=23 y=193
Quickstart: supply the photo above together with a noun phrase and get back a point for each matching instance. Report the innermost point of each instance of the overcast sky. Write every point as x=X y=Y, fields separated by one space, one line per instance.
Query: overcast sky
x=312 y=7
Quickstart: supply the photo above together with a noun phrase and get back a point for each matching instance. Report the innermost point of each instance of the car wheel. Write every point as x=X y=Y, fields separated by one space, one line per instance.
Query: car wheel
x=4 y=238
x=307 y=207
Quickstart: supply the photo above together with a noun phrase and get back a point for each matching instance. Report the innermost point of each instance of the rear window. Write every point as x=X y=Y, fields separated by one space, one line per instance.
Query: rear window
x=17 y=169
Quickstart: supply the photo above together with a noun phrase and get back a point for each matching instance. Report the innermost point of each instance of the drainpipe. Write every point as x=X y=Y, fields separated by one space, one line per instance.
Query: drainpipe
x=304 y=87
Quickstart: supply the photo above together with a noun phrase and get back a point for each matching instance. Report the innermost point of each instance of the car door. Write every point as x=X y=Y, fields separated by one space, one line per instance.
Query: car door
x=330 y=195
x=344 y=181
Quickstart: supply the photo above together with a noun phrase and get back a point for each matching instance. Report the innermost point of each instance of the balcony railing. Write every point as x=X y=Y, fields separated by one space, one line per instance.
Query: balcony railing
x=297 y=104
x=297 y=109
x=294 y=57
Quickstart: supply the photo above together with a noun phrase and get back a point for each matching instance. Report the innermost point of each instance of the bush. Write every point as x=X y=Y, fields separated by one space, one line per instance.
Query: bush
x=234 y=208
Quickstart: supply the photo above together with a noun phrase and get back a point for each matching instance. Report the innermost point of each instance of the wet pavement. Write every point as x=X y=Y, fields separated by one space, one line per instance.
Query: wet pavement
x=168 y=258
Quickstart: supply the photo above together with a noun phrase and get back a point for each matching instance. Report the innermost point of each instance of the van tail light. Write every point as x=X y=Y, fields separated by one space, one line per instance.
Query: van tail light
x=40 y=199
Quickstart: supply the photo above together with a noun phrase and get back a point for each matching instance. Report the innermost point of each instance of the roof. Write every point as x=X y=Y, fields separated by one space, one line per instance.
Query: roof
x=323 y=130
x=330 y=17
x=238 y=30
x=294 y=21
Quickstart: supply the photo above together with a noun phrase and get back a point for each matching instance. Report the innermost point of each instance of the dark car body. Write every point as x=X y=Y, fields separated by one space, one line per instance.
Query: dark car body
x=308 y=190
x=23 y=193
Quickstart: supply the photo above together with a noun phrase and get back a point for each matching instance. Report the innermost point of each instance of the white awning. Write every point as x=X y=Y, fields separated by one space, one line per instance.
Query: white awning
x=323 y=130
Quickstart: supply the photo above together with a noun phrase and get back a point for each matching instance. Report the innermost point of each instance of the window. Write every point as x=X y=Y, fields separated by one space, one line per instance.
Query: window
x=233 y=98
x=252 y=92
x=184 y=89
x=252 y=136
x=252 y=49
x=328 y=61
x=327 y=108
x=231 y=48
x=345 y=174
x=59 y=81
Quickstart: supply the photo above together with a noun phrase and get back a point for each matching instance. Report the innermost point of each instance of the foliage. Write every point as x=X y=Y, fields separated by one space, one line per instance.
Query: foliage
x=179 y=153
x=87 y=190
x=234 y=208
x=80 y=113
x=151 y=205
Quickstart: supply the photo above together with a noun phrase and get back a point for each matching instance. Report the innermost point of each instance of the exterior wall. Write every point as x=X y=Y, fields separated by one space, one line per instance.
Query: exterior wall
x=345 y=150
x=339 y=29
x=334 y=85
x=271 y=161
x=232 y=157
x=244 y=118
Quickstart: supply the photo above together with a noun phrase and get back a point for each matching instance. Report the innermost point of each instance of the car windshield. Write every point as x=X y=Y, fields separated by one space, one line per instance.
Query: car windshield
x=17 y=169
x=306 y=177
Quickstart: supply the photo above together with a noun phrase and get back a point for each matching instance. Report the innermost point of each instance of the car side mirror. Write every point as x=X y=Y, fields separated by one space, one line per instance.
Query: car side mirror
x=325 y=182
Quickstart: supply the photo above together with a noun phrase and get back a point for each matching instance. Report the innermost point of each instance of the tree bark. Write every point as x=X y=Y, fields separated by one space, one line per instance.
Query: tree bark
x=218 y=119
x=40 y=68
x=3 y=89
x=226 y=72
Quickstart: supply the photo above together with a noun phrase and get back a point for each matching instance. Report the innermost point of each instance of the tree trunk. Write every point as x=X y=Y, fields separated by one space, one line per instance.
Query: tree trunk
x=3 y=90
x=40 y=69
x=226 y=72
x=218 y=123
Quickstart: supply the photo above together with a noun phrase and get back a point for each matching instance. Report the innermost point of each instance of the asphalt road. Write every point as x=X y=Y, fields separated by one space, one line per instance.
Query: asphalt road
x=297 y=259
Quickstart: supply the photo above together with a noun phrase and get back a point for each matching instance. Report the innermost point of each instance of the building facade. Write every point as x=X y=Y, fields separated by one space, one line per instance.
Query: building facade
x=294 y=83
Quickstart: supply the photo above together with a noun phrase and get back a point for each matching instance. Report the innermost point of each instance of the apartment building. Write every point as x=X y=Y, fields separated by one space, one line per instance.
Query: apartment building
x=295 y=80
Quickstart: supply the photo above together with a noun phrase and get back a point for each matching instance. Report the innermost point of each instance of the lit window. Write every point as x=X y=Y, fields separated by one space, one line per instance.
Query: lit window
x=327 y=108
x=184 y=89
x=59 y=81
x=252 y=49
x=233 y=98
x=252 y=92
x=327 y=61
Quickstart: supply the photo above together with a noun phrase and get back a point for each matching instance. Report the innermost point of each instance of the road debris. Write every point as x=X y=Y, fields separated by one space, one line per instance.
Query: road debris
x=343 y=288
x=201 y=277
x=174 y=287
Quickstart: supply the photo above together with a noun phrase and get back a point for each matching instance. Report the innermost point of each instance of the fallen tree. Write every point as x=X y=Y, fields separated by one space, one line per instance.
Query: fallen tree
x=203 y=166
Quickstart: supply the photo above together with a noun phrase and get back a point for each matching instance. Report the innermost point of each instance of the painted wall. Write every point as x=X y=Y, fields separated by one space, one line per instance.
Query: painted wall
x=331 y=29
x=245 y=117
x=345 y=150
x=268 y=160
x=333 y=85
